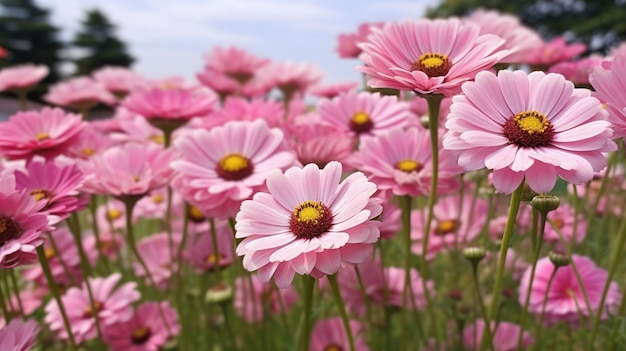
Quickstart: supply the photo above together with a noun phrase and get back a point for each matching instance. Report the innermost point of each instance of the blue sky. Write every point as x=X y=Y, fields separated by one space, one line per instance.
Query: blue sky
x=171 y=37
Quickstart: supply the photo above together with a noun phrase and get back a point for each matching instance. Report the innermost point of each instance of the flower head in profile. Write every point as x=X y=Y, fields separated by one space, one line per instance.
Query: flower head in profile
x=578 y=71
x=118 y=80
x=291 y=78
x=329 y=91
x=79 y=94
x=347 y=44
x=19 y=335
x=528 y=126
x=505 y=336
x=428 y=56
x=330 y=334
x=308 y=223
x=610 y=86
x=555 y=51
x=170 y=104
x=22 y=77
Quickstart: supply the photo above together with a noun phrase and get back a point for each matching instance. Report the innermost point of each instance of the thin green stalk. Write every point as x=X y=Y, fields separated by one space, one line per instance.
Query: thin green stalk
x=93 y=207
x=16 y=291
x=332 y=279
x=481 y=303
x=3 y=306
x=309 y=287
x=621 y=312
x=405 y=206
x=543 y=309
x=366 y=298
x=228 y=326
x=216 y=251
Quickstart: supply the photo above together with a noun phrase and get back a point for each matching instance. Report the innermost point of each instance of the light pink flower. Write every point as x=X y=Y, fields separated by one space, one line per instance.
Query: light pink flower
x=131 y=169
x=555 y=51
x=456 y=222
x=79 y=94
x=428 y=56
x=319 y=143
x=308 y=223
x=226 y=165
x=565 y=298
x=610 y=87
x=118 y=80
x=155 y=205
x=564 y=219
x=22 y=77
x=19 y=335
x=47 y=133
x=254 y=297
x=330 y=334
x=329 y=91
x=505 y=336
x=137 y=129
x=534 y=127
x=170 y=104
x=360 y=114
x=400 y=161
x=347 y=44
x=90 y=141
x=111 y=215
x=112 y=305
x=156 y=252
x=31 y=298
x=577 y=71
x=145 y=330
x=240 y=109
x=290 y=78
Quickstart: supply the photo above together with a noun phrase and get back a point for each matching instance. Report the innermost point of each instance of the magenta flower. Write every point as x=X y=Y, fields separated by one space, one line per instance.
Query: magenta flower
x=360 y=114
x=330 y=334
x=400 y=161
x=555 y=51
x=308 y=223
x=566 y=300
x=253 y=301
x=240 y=109
x=48 y=133
x=79 y=94
x=610 y=86
x=534 y=127
x=112 y=306
x=505 y=336
x=19 y=335
x=170 y=104
x=145 y=330
x=226 y=165
x=577 y=71
x=428 y=56
x=22 y=77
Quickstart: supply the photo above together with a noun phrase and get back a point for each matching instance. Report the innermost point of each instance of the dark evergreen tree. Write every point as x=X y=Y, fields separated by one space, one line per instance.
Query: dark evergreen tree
x=27 y=36
x=100 y=43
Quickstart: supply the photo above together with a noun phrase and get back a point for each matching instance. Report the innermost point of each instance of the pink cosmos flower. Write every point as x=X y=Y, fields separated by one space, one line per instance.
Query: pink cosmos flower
x=19 y=335
x=56 y=185
x=400 y=161
x=330 y=334
x=534 y=127
x=240 y=109
x=319 y=143
x=290 y=78
x=565 y=298
x=201 y=251
x=226 y=165
x=577 y=71
x=555 y=51
x=31 y=298
x=156 y=253
x=253 y=298
x=364 y=113
x=329 y=91
x=88 y=142
x=170 y=104
x=610 y=87
x=390 y=222
x=118 y=80
x=520 y=40
x=145 y=330
x=347 y=44
x=22 y=77
x=308 y=223
x=137 y=129
x=112 y=306
x=564 y=219
x=428 y=56
x=131 y=169
x=504 y=336
x=79 y=94
x=155 y=205
x=47 y=133
x=456 y=222
x=111 y=215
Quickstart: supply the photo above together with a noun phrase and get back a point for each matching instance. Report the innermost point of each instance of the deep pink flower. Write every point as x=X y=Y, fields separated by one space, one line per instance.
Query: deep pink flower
x=79 y=94
x=118 y=80
x=329 y=91
x=145 y=330
x=505 y=336
x=309 y=223
x=19 y=335
x=22 y=77
x=112 y=305
x=226 y=165
x=428 y=56
x=170 y=104
x=555 y=51
x=400 y=161
x=610 y=87
x=566 y=300
x=347 y=44
x=577 y=71
x=47 y=133
x=253 y=298
x=330 y=334
x=534 y=127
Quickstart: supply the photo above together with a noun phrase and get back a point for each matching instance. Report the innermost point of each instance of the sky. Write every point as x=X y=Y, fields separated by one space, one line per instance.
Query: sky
x=172 y=37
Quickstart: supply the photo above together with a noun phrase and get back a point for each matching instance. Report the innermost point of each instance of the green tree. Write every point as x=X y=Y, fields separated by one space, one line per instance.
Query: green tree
x=600 y=24
x=27 y=35
x=97 y=38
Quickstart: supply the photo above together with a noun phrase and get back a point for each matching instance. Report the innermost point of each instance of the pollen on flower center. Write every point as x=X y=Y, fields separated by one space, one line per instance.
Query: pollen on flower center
x=213 y=259
x=310 y=219
x=157 y=138
x=141 y=335
x=195 y=214
x=49 y=253
x=42 y=136
x=89 y=312
x=361 y=123
x=333 y=347
x=409 y=166
x=234 y=167
x=40 y=194
x=529 y=129
x=9 y=229
x=447 y=226
x=113 y=214
x=157 y=198
x=433 y=64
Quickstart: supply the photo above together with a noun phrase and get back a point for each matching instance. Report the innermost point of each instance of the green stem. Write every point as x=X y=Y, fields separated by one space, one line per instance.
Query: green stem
x=543 y=309
x=332 y=279
x=16 y=289
x=3 y=306
x=621 y=312
x=405 y=206
x=366 y=298
x=216 y=251
x=309 y=287
x=516 y=199
x=481 y=304
x=93 y=207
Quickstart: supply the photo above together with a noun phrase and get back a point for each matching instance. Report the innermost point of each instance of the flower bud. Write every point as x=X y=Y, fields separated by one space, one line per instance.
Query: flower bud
x=545 y=203
x=219 y=294
x=558 y=259
x=474 y=254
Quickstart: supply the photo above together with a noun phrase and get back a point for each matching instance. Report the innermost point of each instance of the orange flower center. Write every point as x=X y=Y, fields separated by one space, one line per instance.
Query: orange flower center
x=113 y=214
x=141 y=335
x=90 y=312
x=447 y=226
x=195 y=214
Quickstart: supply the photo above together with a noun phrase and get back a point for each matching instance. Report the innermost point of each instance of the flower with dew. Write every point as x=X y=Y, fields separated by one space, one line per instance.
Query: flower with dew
x=610 y=86
x=457 y=221
x=22 y=77
x=428 y=56
x=254 y=299
x=47 y=133
x=400 y=161
x=308 y=223
x=220 y=168
x=505 y=336
x=79 y=94
x=111 y=304
x=566 y=299
x=330 y=335
x=19 y=335
x=533 y=126
x=364 y=113
x=145 y=330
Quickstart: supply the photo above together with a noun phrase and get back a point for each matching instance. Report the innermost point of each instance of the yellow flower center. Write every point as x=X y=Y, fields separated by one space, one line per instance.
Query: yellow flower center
x=49 y=252
x=42 y=136
x=88 y=151
x=113 y=214
x=234 y=167
x=433 y=64
x=157 y=198
x=195 y=214
x=157 y=138
x=213 y=259
x=333 y=347
x=529 y=129
x=447 y=226
x=140 y=335
x=40 y=194
x=360 y=118
x=532 y=122
x=408 y=166
x=310 y=219
x=90 y=312
x=558 y=223
x=361 y=122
